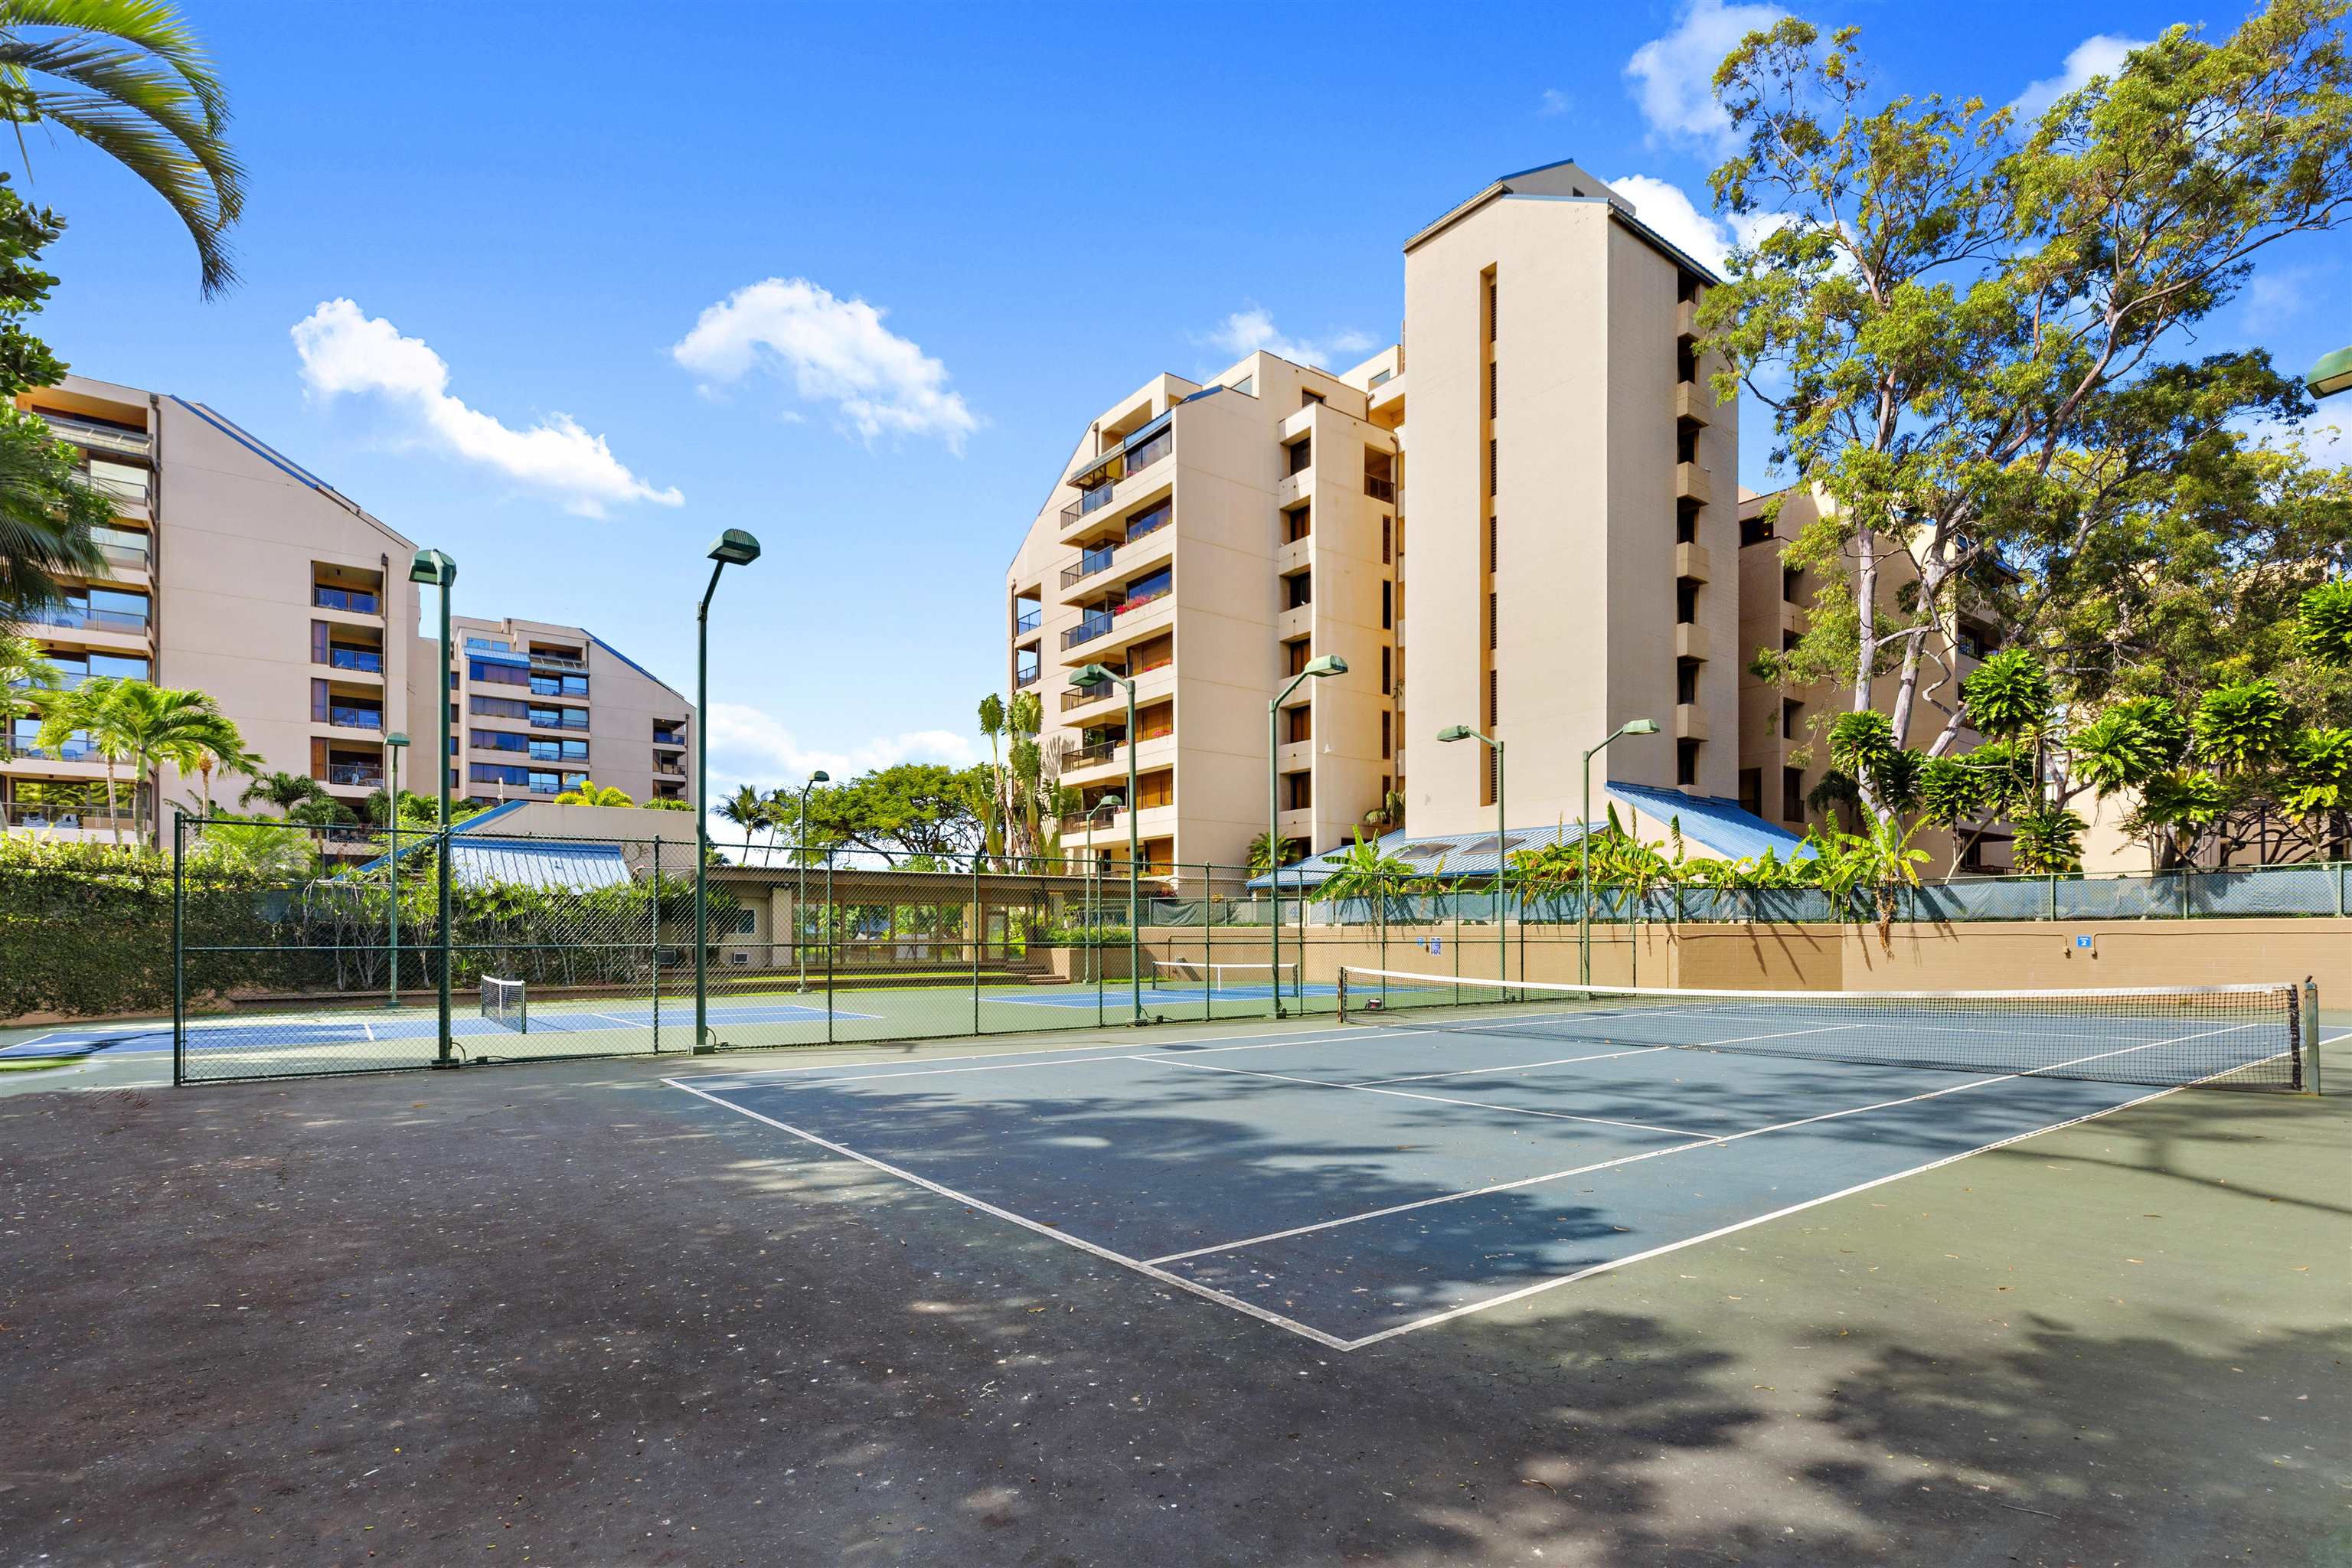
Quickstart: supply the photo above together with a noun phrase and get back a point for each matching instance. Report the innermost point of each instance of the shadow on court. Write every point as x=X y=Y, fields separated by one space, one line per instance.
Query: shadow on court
x=563 y=1311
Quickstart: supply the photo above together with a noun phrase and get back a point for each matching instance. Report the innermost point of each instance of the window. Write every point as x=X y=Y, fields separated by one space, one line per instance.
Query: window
x=1493 y=399
x=1388 y=607
x=1308 y=396
x=1792 y=582
x=1792 y=794
x=490 y=643
x=558 y=685
x=1156 y=654
x=1788 y=640
x=1494 y=621
x=1494 y=544
x=1686 y=600
x=1686 y=444
x=1494 y=706
x=1751 y=791
x=1380 y=474
x=498 y=773
x=1298 y=590
x=1297 y=724
x=1388 y=526
x=1150 y=520
x=488 y=674
x=745 y=922
x=1687 y=680
x=1789 y=719
x=499 y=708
x=1387 y=659
x=1294 y=657
x=1302 y=455
x=1494 y=306
x=1299 y=789
x=1976 y=642
x=1387 y=733
x=1687 y=525
x=1685 y=363
x=1687 y=761
x=1297 y=524
x=1494 y=473
x=500 y=741
x=1755 y=530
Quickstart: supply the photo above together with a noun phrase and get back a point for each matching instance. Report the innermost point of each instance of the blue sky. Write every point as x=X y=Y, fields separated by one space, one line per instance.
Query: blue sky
x=573 y=244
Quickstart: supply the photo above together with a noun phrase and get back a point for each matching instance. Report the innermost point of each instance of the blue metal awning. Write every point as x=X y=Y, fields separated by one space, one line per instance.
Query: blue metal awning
x=531 y=863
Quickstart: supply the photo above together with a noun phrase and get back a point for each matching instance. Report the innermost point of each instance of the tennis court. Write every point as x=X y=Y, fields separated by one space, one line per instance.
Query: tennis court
x=1522 y=1137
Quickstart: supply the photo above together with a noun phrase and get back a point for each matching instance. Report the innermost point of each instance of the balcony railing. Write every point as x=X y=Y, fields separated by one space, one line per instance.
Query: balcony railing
x=356 y=658
x=1379 y=489
x=350 y=599
x=661 y=736
x=1095 y=625
x=76 y=617
x=1079 y=697
x=1027 y=621
x=1128 y=463
x=103 y=437
x=355 y=717
x=71 y=752
x=568 y=721
x=1086 y=756
x=1137 y=601
x=28 y=814
x=668 y=773
x=557 y=660
x=122 y=489
x=135 y=555
x=1026 y=677
x=355 y=775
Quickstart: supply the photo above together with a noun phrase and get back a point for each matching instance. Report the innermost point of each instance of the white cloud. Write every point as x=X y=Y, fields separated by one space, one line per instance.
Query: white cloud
x=837 y=351
x=1248 y=330
x=2274 y=297
x=2100 y=54
x=1673 y=78
x=1666 y=207
x=1555 y=101
x=346 y=350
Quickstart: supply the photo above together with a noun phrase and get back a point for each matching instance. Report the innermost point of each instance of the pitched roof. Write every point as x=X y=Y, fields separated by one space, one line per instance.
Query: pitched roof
x=532 y=863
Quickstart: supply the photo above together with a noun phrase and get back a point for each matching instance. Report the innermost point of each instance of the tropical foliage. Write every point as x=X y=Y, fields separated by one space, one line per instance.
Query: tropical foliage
x=1969 y=334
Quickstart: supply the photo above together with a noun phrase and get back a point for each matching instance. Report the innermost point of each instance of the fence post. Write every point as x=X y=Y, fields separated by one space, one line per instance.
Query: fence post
x=828 y=947
x=979 y=931
x=179 y=950
x=654 y=887
x=2053 y=895
x=2311 y=1031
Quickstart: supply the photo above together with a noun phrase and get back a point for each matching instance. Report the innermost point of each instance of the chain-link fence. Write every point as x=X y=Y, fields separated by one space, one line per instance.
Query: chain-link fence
x=301 y=950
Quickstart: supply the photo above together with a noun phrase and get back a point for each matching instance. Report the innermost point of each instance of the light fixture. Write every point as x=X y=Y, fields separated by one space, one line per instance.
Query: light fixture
x=735 y=548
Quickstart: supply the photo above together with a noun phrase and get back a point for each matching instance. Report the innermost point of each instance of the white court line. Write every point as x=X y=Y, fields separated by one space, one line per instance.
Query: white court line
x=1434 y=1098
x=1114 y=1056
x=1187 y=1046
x=1105 y=1253
x=1704 y=1143
x=371 y=1032
x=1515 y=1067
x=1541 y=1286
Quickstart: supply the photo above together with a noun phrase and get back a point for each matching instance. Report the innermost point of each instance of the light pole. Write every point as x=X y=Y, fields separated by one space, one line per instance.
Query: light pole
x=1330 y=664
x=393 y=744
x=1093 y=894
x=733 y=548
x=431 y=566
x=2331 y=375
x=1584 y=850
x=800 y=853
x=1087 y=680
x=1502 y=828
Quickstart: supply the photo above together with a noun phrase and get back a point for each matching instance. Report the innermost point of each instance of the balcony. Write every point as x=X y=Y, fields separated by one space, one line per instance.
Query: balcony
x=1691 y=484
x=1026 y=676
x=570 y=718
x=100 y=437
x=1695 y=402
x=136 y=557
x=1097 y=624
x=343 y=717
x=1690 y=722
x=1087 y=695
x=1099 y=752
x=557 y=660
x=360 y=659
x=354 y=601
x=1686 y=318
x=1028 y=620
x=1690 y=641
x=1091 y=563
x=117 y=482
x=81 y=618
x=663 y=770
x=355 y=775
x=661 y=736
x=35 y=815
x=1099 y=480
x=74 y=749
x=1692 y=561
x=1379 y=489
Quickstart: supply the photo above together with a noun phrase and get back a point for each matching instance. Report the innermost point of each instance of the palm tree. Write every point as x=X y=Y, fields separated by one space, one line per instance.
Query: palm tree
x=747 y=809
x=89 y=708
x=24 y=674
x=991 y=724
x=132 y=81
x=284 y=791
x=588 y=792
x=210 y=746
x=1364 y=872
x=45 y=515
x=157 y=724
x=261 y=848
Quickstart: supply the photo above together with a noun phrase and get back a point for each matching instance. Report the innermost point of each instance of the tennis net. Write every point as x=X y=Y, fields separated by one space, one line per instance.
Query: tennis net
x=2251 y=1037
x=505 y=1005
x=1226 y=979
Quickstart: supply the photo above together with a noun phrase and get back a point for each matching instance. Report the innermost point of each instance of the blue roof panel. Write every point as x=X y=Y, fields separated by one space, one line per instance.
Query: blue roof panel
x=526 y=863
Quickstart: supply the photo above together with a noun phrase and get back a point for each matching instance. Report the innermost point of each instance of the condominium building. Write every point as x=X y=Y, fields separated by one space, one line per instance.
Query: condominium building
x=1784 y=746
x=1547 y=428
x=536 y=708
x=232 y=570
x=1205 y=542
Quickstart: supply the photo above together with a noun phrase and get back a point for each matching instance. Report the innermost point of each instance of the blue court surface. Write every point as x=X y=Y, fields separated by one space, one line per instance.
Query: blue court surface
x=1116 y=993
x=1350 y=1183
